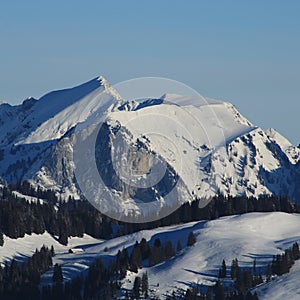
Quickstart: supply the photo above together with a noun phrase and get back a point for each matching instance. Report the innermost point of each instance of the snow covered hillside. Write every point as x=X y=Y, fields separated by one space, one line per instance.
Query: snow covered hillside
x=256 y=235
x=23 y=248
x=245 y=237
x=284 y=287
x=205 y=144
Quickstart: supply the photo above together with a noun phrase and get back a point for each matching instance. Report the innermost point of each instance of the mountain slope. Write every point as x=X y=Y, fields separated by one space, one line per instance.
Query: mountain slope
x=286 y=286
x=214 y=149
x=245 y=237
x=35 y=134
x=205 y=143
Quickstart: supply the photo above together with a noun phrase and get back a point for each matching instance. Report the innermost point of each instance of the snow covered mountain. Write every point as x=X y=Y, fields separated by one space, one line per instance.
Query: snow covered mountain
x=207 y=146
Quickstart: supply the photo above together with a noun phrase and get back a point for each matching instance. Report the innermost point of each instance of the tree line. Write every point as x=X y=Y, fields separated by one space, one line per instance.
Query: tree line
x=62 y=219
x=76 y=217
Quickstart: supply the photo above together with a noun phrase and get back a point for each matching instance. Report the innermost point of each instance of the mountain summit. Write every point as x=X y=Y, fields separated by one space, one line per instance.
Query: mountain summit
x=220 y=151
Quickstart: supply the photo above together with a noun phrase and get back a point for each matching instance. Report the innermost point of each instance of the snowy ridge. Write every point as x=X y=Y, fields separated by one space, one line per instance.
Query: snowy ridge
x=209 y=144
x=292 y=152
x=220 y=151
x=253 y=166
x=77 y=112
x=191 y=132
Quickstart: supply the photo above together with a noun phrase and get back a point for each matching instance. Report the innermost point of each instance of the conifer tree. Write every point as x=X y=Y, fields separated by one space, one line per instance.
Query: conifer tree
x=136 y=287
x=52 y=251
x=179 y=247
x=136 y=258
x=223 y=271
x=234 y=268
x=269 y=273
x=57 y=274
x=254 y=266
x=1 y=239
x=219 y=291
x=145 y=248
x=145 y=284
x=295 y=251
x=169 y=251
x=191 y=239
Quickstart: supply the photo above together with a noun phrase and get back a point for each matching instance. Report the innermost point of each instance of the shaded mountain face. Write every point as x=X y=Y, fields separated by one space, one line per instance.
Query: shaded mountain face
x=209 y=147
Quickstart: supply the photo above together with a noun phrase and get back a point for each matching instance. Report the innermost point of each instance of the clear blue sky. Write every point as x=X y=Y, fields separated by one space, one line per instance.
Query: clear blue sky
x=245 y=52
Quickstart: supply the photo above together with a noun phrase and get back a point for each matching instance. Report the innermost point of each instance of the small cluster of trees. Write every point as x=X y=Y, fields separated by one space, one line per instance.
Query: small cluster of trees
x=282 y=263
x=156 y=253
x=20 y=281
x=244 y=279
x=217 y=292
x=26 y=188
x=140 y=288
x=101 y=282
x=57 y=274
x=160 y=252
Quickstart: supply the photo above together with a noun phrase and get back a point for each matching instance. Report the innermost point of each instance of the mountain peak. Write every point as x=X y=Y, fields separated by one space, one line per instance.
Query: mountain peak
x=273 y=134
x=107 y=86
x=221 y=151
x=103 y=81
